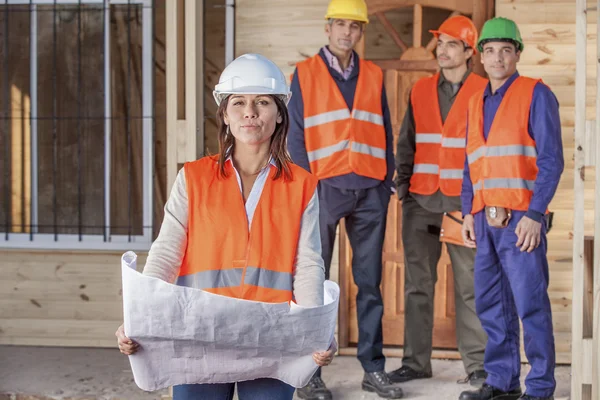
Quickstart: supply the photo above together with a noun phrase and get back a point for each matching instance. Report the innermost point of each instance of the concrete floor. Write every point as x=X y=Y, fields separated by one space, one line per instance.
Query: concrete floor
x=104 y=374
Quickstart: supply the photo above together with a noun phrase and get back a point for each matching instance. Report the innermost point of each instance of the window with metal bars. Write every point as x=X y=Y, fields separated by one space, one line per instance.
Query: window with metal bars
x=76 y=124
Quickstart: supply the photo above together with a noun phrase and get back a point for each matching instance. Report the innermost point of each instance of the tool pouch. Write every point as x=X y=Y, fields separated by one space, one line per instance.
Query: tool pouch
x=497 y=217
x=451 y=228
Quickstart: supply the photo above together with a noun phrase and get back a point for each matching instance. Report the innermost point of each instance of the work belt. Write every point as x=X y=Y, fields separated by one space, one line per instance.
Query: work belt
x=497 y=217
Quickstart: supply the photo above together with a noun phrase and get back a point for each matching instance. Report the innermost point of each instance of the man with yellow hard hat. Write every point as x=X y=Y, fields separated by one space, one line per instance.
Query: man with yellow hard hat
x=340 y=131
x=430 y=158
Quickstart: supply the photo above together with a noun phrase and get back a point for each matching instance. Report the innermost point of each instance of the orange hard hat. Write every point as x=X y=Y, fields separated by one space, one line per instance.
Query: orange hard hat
x=459 y=27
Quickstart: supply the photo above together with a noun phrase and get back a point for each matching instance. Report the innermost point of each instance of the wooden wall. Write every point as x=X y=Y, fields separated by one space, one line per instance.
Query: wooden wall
x=548 y=29
x=60 y=298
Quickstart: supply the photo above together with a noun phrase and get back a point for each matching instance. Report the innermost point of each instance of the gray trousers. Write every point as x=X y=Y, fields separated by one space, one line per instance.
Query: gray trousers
x=422 y=251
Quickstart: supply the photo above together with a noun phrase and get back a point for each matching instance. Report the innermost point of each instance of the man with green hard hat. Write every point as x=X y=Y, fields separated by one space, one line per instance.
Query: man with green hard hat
x=513 y=167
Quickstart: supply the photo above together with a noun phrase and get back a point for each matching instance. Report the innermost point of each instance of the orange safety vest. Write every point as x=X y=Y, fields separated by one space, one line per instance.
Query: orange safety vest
x=222 y=255
x=503 y=169
x=340 y=141
x=440 y=147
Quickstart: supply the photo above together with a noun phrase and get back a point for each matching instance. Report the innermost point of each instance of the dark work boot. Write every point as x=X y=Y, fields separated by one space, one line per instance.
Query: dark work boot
x=315 y=390
x=380 y=383
x=528 y=397
x=475 y=378
x=405 y=374
x=488 y=392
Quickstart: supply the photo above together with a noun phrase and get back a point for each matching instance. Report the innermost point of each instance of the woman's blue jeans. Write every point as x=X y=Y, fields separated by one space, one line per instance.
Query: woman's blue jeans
x=259 y=389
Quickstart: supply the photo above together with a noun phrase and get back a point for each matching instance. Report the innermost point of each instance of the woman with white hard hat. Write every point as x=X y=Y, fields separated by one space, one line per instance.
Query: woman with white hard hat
x=248 y=211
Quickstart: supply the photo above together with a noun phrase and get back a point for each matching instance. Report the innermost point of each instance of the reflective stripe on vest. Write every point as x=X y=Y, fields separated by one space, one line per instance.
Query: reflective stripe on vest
x=223 y=256
x=503 y=168
x=227 y=278
x=440 y=147
x=340 y=141
x=502 y=151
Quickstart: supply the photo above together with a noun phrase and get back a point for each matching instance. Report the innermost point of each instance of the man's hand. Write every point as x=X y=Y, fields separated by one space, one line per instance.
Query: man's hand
x=528 y=234
x=468 y=231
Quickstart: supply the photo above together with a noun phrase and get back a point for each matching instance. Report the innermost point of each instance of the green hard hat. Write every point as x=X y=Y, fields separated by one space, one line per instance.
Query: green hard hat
x=501 y=29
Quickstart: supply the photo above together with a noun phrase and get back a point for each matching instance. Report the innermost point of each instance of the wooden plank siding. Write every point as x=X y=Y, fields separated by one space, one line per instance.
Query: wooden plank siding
x=60 y=298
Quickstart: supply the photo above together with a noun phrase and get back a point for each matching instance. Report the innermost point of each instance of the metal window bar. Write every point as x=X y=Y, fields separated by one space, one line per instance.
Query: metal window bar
x=54 y=125
x=107 y=121
x=128 y=123
x=79 y=133
x=148 y=111
x=34 y=118
x=7 y=146
x=105 y=240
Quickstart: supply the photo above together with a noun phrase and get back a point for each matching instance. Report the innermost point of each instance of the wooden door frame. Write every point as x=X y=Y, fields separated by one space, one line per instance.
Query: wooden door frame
x=481 y=10
x=185 y=84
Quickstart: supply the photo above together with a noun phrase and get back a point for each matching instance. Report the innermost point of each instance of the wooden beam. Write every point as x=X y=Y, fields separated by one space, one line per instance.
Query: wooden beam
x=185 y=98
x=20 y=160
x=417 y=25
x=590 y=143
x=577 y=366
x=391 y=31
x=588 y=290
x=480 y=15
x=595 y=370
x=344 y=283
x=180 y=56
x=491 y=9
x=172 y=69
x=192 y=146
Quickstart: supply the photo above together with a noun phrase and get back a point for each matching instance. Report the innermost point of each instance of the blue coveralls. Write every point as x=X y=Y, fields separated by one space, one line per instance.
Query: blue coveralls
x=510 y=284
x=363 y=203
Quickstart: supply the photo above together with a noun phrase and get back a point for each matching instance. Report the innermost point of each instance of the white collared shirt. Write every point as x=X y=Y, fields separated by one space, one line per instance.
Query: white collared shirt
x=257 y=188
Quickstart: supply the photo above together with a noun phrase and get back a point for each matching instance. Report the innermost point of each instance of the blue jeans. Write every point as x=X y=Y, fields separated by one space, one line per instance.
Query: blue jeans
x=259 y=389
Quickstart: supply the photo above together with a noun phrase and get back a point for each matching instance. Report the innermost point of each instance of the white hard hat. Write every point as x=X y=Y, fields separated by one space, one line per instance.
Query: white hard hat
x=252 y=74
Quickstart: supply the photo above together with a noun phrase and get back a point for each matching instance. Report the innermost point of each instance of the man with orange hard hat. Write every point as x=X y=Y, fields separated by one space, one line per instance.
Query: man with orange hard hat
x=430 y=157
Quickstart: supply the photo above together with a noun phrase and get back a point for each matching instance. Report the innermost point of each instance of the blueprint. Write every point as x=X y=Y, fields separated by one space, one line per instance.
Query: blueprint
x=188 y=335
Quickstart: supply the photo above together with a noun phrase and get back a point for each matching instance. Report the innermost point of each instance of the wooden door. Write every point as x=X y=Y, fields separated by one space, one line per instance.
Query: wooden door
x=415 y=62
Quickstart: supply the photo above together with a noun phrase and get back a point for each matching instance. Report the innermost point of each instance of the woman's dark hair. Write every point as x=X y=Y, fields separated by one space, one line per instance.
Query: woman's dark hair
x=278 y=150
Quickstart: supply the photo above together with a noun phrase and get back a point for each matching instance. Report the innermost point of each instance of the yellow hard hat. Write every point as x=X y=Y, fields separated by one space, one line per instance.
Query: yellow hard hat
x=355 y=10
